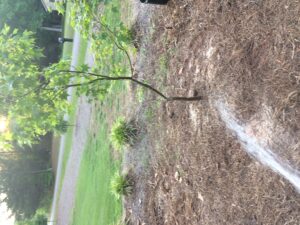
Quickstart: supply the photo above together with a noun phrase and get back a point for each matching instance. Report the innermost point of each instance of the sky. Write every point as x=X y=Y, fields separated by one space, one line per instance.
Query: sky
x=4 y=214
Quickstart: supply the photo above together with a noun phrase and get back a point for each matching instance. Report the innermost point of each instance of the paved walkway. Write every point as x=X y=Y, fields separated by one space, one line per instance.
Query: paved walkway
x=64 y=203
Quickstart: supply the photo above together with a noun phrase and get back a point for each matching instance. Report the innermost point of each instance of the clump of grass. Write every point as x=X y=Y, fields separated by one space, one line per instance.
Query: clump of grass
x=121 y=185
x=123 y=133
x=121 y=221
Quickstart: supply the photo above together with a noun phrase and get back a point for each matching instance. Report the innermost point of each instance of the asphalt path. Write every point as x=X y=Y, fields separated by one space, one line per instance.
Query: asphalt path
x=63 y=202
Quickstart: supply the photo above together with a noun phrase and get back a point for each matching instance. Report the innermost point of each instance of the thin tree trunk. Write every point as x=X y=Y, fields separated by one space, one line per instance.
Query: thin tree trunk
x=29 y=172
x=40 y=171
x=124 y=78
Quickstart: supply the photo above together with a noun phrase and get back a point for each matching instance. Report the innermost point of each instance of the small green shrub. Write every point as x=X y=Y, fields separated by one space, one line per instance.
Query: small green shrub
x=123 y=133
x=40 y=218
x=62 y=127
x=120 y=185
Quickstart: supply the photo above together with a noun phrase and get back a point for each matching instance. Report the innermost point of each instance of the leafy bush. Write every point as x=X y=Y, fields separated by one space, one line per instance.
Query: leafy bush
x=60 y=7
x=123 y=133
x=121 y=185
x=40 y=218
x=62 y=127
x=82 y=13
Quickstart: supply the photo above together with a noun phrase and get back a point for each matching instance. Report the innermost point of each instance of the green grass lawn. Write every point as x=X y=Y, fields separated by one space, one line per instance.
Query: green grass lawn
x=94 y=202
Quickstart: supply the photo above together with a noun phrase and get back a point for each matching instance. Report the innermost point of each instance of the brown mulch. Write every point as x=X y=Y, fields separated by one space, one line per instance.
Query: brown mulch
x=247 y=54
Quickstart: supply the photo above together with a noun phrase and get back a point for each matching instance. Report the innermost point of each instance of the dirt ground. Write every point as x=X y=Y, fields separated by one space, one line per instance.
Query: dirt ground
x=188 y=168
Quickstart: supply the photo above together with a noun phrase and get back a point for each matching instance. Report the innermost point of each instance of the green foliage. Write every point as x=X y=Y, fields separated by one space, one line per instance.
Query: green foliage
x=123 y=133
x=111 y=42
x=121 y=185
x=60 y=7
x=22 y=14
x=62 y=127
x=33 y=100
x=94 y=203
x=97 y=90
x=110 y=31
x=40 y=218
x=25 y=178
x=82 y=14
x=31 y=15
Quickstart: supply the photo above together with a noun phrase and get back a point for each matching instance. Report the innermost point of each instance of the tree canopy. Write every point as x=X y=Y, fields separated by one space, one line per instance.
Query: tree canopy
x=34 y=99
x=31 y=15
x=22 y=14
x=40 y=218
x=29 y=98
x=25 y=177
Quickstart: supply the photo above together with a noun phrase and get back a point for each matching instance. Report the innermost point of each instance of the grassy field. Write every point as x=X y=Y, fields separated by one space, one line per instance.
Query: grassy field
x=94 y=203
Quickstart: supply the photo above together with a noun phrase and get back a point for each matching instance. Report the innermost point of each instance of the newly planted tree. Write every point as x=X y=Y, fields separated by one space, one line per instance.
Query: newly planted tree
x=34 y=100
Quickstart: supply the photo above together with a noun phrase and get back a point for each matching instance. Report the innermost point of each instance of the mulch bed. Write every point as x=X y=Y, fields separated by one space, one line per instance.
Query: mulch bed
x=246 y=54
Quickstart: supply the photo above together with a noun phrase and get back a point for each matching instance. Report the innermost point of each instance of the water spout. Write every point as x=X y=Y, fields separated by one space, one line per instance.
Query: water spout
x=254 y=148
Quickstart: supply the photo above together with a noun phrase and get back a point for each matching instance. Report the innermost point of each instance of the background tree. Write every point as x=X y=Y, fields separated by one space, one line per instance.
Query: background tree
x=25 y=178
x=30 y=15
x=22 y=14
x=32 y=108
x=40 y=218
